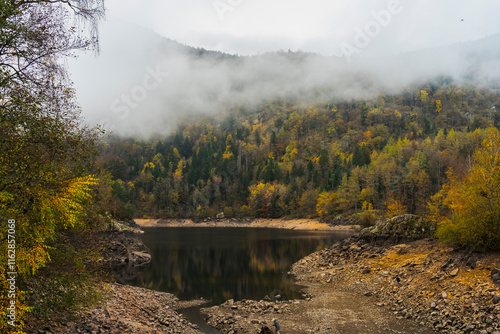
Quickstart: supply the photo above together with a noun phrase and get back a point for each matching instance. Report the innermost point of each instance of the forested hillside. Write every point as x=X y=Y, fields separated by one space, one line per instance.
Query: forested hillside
x=380 y=156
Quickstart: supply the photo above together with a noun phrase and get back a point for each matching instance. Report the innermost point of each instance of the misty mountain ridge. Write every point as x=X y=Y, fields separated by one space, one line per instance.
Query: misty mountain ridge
x=193 y=81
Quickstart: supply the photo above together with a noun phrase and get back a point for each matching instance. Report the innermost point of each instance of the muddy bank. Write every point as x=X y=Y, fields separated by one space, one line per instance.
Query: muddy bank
x=292 y=224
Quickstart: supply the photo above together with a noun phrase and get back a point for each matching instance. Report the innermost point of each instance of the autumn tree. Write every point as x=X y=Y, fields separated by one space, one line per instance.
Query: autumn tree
x=46 y=152
x=326 y=204
x=475 y=200
x=424 y=99
x=308 y=203
x=393 y=207
x=268 y=200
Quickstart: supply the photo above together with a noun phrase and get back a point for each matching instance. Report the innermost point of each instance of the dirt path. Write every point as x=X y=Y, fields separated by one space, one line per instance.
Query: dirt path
x=333 y=310
x=327 y=309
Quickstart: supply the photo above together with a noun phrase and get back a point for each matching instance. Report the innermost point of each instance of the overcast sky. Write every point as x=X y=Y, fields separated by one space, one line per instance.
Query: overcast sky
x=256 y=26
x=135 y=87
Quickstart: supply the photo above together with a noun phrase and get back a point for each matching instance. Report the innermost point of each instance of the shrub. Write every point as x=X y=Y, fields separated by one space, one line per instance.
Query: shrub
x=367 y=218
x=228 y=212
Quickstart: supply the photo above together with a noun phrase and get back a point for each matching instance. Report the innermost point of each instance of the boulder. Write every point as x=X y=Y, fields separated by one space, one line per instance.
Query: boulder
x=403 y=227
x=124 y=252
x=495 y=275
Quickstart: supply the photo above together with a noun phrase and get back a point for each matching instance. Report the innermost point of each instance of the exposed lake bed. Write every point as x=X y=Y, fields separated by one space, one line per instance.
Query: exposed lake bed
x=242 y=278
x=289 y=224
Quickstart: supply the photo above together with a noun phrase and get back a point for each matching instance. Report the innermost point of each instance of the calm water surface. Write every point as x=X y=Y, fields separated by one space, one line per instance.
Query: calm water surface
x=223 y=263
x=218 y=264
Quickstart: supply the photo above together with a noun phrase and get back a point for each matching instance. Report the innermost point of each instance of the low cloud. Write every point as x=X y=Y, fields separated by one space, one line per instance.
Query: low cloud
x=143 y=84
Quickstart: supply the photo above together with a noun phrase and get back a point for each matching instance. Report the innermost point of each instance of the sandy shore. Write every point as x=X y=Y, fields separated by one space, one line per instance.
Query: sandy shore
x=292 y=224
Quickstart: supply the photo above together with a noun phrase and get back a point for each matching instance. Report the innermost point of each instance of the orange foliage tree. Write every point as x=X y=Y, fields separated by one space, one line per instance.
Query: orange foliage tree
x=393 y=207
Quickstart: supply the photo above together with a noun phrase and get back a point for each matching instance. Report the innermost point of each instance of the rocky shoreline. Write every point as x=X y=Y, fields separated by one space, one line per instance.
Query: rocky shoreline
x=447 y=290
x=130 y=309
x=386 y=279
x=127 y=309
x=124 y=253
x=391 y=278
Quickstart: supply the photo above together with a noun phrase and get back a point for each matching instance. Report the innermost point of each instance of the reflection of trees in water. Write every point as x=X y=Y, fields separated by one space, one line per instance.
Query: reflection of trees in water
x=247 y=265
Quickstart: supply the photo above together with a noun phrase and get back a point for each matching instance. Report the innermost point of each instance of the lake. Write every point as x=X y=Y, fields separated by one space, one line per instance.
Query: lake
x=218 y=264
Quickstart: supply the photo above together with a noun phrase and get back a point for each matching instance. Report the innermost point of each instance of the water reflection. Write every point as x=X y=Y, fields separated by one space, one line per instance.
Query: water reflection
x=224 y=263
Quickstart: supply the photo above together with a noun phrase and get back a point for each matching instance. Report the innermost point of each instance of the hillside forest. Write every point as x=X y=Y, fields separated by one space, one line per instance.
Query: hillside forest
x=370 y=158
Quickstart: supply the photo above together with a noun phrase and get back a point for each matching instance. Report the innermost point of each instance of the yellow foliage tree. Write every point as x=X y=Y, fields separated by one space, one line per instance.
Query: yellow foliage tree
x=229 y=143
x=178 y=172
x=439 y=106
x=393 y=207
x=45 y=149
x=326 y=204
x=424 y=96
x=266 y=200
x=51 y=211
x=475 y=200
x=291 y=152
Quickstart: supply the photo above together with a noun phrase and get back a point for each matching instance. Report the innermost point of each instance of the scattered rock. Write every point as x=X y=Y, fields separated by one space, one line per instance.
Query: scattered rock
x=265 y=330
x=246 y=316
x=399 y=228
x=131 y=310
x=124 y=252
x=421 y=280
x=471 y=262
x=495 y=275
